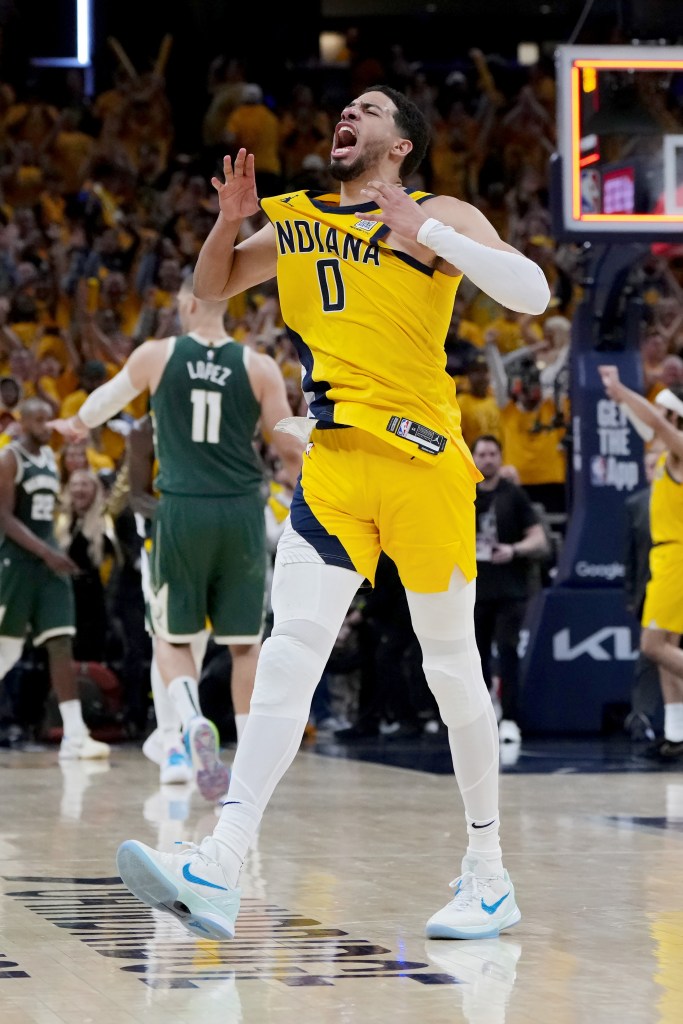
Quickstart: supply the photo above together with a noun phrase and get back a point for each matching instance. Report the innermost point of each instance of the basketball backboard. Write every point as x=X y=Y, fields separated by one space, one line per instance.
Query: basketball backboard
x=618 y=173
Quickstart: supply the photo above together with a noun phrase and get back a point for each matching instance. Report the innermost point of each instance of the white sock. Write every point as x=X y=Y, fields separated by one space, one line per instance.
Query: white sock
x=72 y=719
x=184 y=692
x=240 y=722
x=167 y=717
x=235 y=831
x=673 y=722
x=484 y=844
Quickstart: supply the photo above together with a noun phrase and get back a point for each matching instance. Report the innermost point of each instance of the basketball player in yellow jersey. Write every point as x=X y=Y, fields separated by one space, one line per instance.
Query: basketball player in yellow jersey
x=366 y=279
x=662 y=617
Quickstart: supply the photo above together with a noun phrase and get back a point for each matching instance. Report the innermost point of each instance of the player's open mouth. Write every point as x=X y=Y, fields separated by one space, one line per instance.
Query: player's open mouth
x=344 y=140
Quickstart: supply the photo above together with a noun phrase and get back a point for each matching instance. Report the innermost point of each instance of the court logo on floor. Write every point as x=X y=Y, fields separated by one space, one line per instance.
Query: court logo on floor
x=272 y=943
x=10 y=969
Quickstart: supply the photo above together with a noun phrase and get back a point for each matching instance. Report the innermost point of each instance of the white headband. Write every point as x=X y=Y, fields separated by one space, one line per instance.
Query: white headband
x=668 y=400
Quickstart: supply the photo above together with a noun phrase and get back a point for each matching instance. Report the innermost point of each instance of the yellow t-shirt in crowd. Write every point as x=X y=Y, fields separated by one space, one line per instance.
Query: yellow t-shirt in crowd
x=469 y=331
x=479 y=416
x=509 y=334
x=538 y=455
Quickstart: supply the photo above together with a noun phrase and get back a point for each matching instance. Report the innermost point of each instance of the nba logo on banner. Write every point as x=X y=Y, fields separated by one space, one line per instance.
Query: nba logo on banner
x=598 y=470
x=403 y=428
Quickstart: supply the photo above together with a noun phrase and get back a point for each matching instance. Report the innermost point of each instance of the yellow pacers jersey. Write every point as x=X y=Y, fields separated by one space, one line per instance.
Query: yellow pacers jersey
x=663 y=607
x=369 y=324
x=666 y=506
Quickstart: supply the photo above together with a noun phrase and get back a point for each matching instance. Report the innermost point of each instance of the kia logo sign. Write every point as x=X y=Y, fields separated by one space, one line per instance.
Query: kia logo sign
x=612 y=643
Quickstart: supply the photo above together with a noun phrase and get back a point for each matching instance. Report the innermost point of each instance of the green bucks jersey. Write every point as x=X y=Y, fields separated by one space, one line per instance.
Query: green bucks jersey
x=205 y=416
x=36 y=489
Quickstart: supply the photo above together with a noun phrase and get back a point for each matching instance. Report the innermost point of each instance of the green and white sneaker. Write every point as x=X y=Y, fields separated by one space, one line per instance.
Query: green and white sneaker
x=191 y=885
x=481 y=908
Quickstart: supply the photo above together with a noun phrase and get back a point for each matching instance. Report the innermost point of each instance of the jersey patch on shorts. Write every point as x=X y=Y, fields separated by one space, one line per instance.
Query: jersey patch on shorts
x=426 y=439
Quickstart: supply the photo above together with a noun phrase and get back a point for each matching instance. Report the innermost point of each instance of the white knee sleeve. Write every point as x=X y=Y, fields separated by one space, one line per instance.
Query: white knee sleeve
x=444 y=625
x=310 y=601
x=290 y=665
x=10 y=652
x=453 y=672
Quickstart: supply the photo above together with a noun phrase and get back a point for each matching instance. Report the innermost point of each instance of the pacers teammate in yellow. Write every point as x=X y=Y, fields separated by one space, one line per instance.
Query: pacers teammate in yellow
x=662 y=617
x=366 y=279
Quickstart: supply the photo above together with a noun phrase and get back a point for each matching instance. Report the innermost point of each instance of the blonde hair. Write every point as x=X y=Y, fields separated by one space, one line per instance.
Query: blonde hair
x=96 y=524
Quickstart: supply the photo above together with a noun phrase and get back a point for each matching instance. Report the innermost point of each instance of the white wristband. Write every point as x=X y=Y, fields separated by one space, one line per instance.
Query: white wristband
x=508 y=277
x=108 y=399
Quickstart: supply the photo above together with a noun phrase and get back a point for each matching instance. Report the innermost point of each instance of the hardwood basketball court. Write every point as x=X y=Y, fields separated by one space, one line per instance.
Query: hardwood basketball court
x=354 y=854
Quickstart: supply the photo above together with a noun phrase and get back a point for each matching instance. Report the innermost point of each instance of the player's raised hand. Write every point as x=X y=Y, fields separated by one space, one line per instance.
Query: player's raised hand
x=399 y=212
x=237 y=196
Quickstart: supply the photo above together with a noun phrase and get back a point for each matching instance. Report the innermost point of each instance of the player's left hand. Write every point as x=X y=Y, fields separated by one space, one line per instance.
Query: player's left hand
x=72 y=429
x=399 y=212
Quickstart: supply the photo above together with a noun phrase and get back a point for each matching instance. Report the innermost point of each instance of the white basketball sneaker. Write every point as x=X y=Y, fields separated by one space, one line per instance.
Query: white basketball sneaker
x=153 y=748
x=175 y=768
x=481 y=908
x=82 y=748
x=191 y=885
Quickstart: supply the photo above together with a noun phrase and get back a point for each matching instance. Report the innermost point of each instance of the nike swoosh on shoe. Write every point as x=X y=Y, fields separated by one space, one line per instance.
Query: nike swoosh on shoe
x=189 y=877
x=485 y=906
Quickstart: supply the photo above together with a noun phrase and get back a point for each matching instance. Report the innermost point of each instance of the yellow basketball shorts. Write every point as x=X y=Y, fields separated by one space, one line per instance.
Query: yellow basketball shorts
x=663 y=608
x=358 y=495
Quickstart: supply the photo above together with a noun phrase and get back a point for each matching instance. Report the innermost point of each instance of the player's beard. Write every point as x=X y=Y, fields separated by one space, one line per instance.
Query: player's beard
x=363 y=163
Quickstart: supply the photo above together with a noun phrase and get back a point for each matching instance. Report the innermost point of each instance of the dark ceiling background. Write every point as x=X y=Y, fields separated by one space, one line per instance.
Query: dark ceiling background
x=281 y=45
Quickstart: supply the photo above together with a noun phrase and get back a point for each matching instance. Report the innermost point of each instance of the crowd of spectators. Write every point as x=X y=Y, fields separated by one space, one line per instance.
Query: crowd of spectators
x=102 y=215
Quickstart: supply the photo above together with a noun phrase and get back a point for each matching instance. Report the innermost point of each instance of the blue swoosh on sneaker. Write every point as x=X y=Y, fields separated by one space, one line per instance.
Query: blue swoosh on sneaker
x=189 y=877
x=484 y=906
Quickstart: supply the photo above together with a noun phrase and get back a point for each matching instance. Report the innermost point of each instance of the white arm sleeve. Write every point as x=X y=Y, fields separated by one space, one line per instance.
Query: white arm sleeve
x=642 y=429
x=508 y=277
x=108 y=399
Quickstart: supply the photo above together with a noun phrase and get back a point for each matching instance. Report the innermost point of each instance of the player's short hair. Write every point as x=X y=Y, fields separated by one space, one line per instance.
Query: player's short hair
x=488 y=439
x=411 y=123
x=30 y=406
